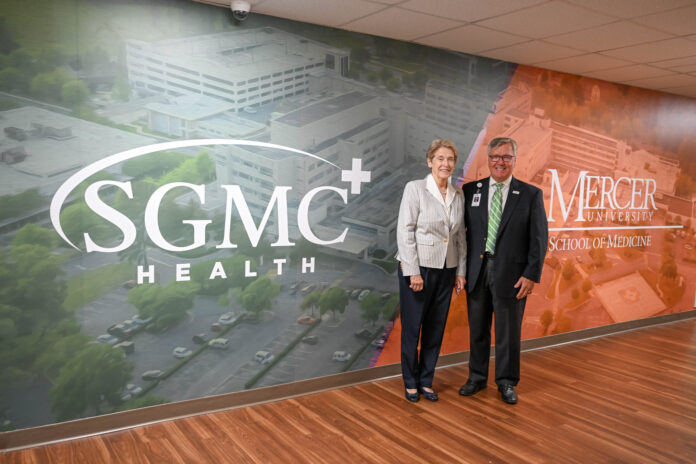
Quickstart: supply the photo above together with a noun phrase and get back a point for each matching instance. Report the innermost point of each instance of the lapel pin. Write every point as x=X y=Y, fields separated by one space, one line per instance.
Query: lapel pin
x=479 y=185
x=516 y=192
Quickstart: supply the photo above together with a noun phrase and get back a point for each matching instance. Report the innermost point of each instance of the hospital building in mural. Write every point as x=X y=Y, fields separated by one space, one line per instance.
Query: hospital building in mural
x=246 y=68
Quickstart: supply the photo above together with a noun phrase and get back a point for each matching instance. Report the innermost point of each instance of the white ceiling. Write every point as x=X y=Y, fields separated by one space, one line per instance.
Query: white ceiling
x=644 y=43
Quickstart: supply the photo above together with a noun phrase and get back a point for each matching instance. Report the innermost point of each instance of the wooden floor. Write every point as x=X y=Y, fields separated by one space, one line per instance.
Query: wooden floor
x=628 y=397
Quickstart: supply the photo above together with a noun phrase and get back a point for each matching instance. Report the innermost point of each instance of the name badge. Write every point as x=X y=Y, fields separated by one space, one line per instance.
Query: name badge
x=476 y=200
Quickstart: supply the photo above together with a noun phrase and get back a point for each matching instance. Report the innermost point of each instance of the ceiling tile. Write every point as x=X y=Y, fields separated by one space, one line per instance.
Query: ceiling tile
x=663 y=82
x=583 y=63
x=468 y=10
x=630 y=8
x=680 y=22
x=531 y=52
x=690 y=68
x=471 y=39
x=624 y=73
x=655 y=51
x=401 y=24
x=608 y=36
x=683 y=61
x=547 y=19
x=324 y=12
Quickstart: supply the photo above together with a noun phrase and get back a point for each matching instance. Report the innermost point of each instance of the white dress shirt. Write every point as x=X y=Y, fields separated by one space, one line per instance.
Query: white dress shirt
x=505 y=189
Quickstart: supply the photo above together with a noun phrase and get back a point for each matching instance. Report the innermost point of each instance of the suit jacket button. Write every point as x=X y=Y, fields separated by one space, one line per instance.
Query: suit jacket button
x=481 y=256
x=445 y=240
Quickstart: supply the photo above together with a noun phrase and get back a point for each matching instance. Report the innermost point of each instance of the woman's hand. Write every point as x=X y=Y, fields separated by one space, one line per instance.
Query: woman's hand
x=459 y=284
x=416 y=283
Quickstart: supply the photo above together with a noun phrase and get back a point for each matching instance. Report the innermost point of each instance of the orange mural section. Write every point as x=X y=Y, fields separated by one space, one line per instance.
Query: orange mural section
x=619 y=194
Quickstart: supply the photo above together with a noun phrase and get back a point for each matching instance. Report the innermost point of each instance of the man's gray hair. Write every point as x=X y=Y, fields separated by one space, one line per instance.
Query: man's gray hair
x=498 y=141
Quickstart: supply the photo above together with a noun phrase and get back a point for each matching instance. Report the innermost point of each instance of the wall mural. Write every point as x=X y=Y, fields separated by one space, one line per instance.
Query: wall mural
x=192 y=207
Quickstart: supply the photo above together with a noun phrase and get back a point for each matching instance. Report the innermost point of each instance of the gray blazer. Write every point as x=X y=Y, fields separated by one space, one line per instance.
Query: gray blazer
x=425 y=235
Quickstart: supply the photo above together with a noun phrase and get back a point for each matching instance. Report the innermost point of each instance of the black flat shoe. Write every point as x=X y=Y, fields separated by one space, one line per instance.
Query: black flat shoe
x=429 y=395
x=412 y=397
x=507 y=394
x=471 y=388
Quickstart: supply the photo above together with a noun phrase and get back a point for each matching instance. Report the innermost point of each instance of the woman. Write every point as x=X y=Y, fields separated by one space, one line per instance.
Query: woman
x=432 y=256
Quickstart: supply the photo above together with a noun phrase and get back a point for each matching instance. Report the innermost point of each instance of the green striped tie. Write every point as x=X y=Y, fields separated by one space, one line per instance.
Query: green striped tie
x=494 y=217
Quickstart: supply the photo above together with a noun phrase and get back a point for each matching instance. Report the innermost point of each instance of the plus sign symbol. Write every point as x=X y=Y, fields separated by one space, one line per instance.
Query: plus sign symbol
x=355 y=176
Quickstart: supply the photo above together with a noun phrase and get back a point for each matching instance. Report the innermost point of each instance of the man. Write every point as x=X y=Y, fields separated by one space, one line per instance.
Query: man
x=506 y=236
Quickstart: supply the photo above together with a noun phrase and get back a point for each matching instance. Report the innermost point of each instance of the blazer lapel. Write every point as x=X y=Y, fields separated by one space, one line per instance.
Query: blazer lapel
x=510 y=204
x=436 y=199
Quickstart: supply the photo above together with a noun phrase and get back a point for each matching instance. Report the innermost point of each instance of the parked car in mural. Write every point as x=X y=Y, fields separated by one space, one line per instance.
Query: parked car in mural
x=341 y=356
x=181 y=352
x=227 y=319
x=131 y=391
x=306 y=320
x=310 y=339
x=127 y=346
x=219 y=343
x=107 y=339
x=120 y=330
x=263 y=357
x=153 y=374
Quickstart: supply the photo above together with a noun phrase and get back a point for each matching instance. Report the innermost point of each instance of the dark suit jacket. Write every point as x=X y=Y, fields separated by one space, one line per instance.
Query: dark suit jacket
x=522 y=235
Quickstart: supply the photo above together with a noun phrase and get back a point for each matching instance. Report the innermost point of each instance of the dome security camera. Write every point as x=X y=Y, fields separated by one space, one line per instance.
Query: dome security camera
x=240 y=9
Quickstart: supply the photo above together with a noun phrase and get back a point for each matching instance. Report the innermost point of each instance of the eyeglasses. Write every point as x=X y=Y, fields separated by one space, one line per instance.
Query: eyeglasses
x=505 y=158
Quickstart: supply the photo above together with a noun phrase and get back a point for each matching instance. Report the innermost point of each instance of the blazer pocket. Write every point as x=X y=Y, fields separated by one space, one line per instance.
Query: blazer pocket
x=423 y=240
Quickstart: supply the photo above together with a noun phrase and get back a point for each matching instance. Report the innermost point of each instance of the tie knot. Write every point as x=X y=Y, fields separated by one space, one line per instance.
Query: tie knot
x=498 y=185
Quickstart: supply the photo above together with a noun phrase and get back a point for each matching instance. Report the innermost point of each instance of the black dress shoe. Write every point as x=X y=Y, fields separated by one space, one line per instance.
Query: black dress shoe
x=471 y=388
x=507 y=394
x=429 y=395
x=412 y=397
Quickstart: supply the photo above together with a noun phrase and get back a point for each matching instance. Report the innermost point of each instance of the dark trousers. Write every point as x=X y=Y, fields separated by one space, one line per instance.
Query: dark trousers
x=423 y=314
x=482 y=303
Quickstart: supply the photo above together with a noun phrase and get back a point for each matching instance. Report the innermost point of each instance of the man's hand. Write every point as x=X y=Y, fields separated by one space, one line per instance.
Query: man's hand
x=526 y=286
x=416 y=283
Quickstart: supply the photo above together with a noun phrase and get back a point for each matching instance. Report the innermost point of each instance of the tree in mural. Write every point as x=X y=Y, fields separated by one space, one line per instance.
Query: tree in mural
x=390 y=308
x=569 y=270
x=60 y=352
x=29 y=282
x=599 y=256
x=259 y=295
x=669 y=269
x=546 y=319
x=74 y=93
x=31 y=234
x=335 y=299
x=371 y=307
x=166 y=305
x=94 y=376
x=311 y=301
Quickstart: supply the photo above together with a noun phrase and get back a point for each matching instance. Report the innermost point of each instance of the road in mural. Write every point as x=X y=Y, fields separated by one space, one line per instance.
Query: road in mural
x=192 y=207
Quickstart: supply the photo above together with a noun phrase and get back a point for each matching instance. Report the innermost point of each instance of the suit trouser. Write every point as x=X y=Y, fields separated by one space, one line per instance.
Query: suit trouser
x=482 y=302
x=423 y=314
